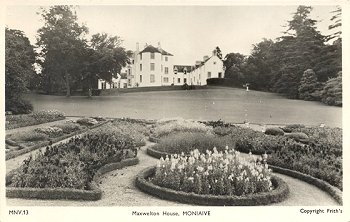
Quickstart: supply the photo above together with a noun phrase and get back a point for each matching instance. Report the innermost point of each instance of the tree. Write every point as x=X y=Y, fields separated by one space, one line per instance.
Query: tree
x=19 y=60
x=104 y=59
x=259 y=65
x=62 y=42
x=332 y=91
x=309 y=88
x=336 y=18
x=218 y=52
x=234 y=67
x=302 y=46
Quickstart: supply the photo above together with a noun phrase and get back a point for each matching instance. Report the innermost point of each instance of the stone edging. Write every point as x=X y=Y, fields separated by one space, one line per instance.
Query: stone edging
x=279 y=194
x=95 y=193
x=153 y=139
x=17 y=153
x=336 y=193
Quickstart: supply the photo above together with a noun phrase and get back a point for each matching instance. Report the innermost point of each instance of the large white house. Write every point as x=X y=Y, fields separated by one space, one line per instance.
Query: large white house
x=210 y=67
x=153 y=66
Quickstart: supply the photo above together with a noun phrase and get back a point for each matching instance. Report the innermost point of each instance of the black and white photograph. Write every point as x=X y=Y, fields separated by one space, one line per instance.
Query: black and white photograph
x=174 y=111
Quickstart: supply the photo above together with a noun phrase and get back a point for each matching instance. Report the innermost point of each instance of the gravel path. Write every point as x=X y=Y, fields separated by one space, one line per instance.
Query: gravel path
x=119 y=190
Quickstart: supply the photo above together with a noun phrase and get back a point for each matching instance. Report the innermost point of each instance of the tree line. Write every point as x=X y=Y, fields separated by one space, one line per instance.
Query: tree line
x=67 y=58
x=300 y=64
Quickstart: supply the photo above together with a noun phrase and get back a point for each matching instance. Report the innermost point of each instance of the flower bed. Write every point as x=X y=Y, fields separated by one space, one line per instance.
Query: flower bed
x=136 y=129
x=30 y=140
x=166 y=127
x=186 y=142
x=74 y=164
x=214 y=178
x=16 y=121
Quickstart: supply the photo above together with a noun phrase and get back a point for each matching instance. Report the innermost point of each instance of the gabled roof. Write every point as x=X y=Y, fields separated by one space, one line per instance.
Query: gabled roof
x=180 y=68
x=153 y=49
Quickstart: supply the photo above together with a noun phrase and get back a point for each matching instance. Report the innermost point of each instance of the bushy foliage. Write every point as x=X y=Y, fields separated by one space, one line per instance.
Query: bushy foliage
x=69 y=127
x=18 y=106
x=74 y=164
x=275 y=131
x=137 y=130
x=165 y=127
x=50 y=131
x=87 y=121
x=332 y=91
x=299 y=137
x=188 y=141
x=16 y=121
x=215 y=173
x=28 y=136
x=309 y=88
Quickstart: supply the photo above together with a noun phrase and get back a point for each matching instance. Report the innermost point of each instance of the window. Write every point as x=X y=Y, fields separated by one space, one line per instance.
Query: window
x=166 y=79
x=220 y=74
x=140 y=67
x=209 y=75
x=141 y=56
x=152 y=78
x=152 y=66
x=175 y=71
x=178 y=80
x=166 y=58
x=185 y=80
x=152 y=55
x=129 y=70
x=161 y=68
x=214 y=63
x=140 y=78
x=166 y=70
x=129 y=82
x=185 y=71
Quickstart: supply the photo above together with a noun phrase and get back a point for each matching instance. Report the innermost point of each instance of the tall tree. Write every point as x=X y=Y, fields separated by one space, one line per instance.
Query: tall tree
x=19 y=61
x=234 y=67
x=62 y=42
x=337 y=23
x=104 y=59
x=303 y=48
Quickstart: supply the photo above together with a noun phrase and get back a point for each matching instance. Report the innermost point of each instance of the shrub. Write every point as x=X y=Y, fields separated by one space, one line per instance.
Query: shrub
x=274 y=131
x=138 y=131
x=292 y=127
x=18 y=106
x=332 y=91
x=165 y=128
x=74 y=164
x=185 y=142
x=215 y=173
x=50 y=131
x=87 y=121
x=299 y=137
x=69 y=127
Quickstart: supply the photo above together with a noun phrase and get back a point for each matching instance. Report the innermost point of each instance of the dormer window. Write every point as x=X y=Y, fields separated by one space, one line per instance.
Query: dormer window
x=166 y=58
x=152 y=55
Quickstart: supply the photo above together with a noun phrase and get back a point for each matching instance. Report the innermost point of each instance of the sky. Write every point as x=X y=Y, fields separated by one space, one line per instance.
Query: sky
x=188 y=32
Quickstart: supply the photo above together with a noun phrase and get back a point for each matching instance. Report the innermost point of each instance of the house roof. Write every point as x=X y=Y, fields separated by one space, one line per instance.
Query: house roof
x=180 y=68
x=153 y=49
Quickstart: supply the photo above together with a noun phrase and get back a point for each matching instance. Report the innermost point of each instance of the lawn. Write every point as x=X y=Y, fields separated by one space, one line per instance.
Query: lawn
x=228 y=104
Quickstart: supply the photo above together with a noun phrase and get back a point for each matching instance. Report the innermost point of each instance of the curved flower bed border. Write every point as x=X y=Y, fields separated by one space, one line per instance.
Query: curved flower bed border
x=277 y=195
x=95 y=193
x=17 y=153
x=323 y=185
x=154 y=139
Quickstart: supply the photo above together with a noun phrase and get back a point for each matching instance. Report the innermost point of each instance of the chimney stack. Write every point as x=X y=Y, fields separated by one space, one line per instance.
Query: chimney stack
x=215 y=52
x=159 y=45
x=198 y=63
x=205 y=58
x=137 y=46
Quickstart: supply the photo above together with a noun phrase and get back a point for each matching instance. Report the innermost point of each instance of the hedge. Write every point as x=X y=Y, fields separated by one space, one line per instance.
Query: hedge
x=277 y=195
x=11 y=155
x=95 y=193
x=323 y=185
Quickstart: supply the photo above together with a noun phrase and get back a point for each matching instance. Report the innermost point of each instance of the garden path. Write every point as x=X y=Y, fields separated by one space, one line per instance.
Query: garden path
x=119 y=190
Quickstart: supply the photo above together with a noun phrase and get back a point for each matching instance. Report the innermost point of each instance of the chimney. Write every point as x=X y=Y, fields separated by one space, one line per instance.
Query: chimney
x=159 y=45
x=137 y=46
x=146 y=45
x=205 y=58
x=214 y=52
x=198 y=63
